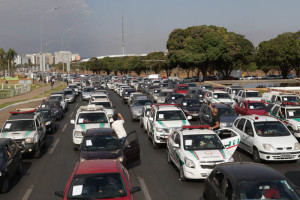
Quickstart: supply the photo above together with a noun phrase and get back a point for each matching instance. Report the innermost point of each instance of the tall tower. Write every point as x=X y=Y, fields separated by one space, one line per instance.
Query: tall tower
x=123 y=44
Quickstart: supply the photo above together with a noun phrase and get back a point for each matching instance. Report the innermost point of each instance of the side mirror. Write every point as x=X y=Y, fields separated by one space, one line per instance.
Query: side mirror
x=189 y=117
x=59 y=194
x=135 y=189
x=176 y=145
x=72 y=121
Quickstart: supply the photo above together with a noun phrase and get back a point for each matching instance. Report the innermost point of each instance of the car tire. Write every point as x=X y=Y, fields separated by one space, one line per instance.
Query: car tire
x=255 y=155
x=75 y=148
x=5 y=185
x=181 y=174
x=169 y=156
x=148 y=133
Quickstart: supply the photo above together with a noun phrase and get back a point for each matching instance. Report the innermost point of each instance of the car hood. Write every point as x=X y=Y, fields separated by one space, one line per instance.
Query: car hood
x=17 y=134
x=84 y=127
x=289 y=141
x=227 y=119
x=94 y=155
x=69 y=96
x=253 y=99
x=172 y=124
x=209 y=155
x=136 y=108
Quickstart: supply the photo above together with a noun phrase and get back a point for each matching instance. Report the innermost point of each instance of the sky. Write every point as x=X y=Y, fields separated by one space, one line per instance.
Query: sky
x=95 y=26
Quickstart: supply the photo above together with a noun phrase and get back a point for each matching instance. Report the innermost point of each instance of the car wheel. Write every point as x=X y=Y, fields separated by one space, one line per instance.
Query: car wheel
x=169 y=156
x=256 y=157
x=181 y=172
x=5 y=186
x=154 y=144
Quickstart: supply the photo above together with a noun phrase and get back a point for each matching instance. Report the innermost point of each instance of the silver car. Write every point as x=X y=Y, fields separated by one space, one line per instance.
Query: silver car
x=86 y=93
x=137 y=106
x=163 y=95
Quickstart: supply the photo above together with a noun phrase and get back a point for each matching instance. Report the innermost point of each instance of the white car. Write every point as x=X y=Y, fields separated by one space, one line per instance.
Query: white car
x=107 y=104
x=88 y=117
x=266 y=138
x=196 y=151
x=98 y=96
x=61 y=99
x=218 y=96
x=250 y=95
x=162 y=120
x=144 y=117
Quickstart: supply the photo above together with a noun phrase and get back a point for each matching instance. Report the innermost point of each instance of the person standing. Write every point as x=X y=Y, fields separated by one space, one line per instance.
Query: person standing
x=52 y=83
x=215 y=122
x=118 y=127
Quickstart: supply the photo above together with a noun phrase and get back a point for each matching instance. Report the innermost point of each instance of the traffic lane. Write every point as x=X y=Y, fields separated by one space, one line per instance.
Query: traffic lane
x=162 y=179
x=41 y=177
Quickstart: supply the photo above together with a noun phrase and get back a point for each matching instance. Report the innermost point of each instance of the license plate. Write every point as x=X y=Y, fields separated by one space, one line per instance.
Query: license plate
x=285 y=155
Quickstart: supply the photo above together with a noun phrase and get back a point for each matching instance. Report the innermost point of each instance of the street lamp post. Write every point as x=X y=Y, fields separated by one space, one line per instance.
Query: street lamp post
x=41 y=49
x=62 y=48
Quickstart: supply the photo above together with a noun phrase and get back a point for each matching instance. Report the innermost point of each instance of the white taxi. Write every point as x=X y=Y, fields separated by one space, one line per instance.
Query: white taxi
x=144 y=117
x=196 y=151
x=88 y=117
x=163 y=118
x=218 y=96
x=266 y=138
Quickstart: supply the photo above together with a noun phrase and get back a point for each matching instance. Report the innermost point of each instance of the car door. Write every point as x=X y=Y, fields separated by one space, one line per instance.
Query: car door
x=132 y=147
x=239 y=128
x=11 y=161
x=15 y=155
x=176 y=150
x=230 y=139
x=248 y=136
x=227 y=190
x=215 y=182
x=171 y=142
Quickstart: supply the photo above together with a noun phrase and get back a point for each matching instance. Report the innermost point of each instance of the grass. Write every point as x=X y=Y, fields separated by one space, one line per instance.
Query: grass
x=47 y=93
x=37 y=85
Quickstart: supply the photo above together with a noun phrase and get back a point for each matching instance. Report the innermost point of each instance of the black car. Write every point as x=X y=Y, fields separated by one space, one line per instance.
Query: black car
x=126 y=93
x=10 y=162
x=190 y=107
x=58 y=110
x=226 y=113
x=174 y=98
x=190 y=92
x=103 y=143
x=50 y=120
x=199 y=95
x=233 y=181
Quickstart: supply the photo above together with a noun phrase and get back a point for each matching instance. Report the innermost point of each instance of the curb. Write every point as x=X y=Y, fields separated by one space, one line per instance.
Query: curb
x=15 y=104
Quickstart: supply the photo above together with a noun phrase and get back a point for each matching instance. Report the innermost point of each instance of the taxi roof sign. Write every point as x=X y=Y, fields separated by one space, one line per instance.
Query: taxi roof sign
x=91 y=107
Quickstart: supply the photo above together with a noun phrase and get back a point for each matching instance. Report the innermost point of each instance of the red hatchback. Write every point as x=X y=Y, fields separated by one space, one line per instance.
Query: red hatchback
x=98 y=179
x=181 y=89
x=250 y=108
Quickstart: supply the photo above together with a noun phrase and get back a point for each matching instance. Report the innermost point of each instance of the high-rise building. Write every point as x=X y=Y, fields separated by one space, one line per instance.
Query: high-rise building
x=75 y=57
x=62 y=56
x=18 y=60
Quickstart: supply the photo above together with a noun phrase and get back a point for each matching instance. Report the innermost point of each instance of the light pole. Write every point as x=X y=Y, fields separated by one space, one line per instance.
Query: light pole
x=62 y=48
x=41 y=49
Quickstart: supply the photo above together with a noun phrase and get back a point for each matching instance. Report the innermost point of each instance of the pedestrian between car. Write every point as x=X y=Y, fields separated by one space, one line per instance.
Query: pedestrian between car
x=118 y=127
x=215 y=122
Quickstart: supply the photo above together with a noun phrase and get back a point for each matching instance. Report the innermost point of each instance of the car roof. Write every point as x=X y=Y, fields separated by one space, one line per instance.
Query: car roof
x=197 y=131
x=219 y=91
x=251 y=91
x=167 y=90
x=167 y=108
x=101 y=100
x=255 y=172
x=249 y=101
x=220 y=105
x=261 y=118
x=100 y=131
x=22 y=116
x=97 y=166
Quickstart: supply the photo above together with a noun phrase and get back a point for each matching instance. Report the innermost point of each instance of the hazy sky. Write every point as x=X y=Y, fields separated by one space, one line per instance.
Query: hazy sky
x=96 y=24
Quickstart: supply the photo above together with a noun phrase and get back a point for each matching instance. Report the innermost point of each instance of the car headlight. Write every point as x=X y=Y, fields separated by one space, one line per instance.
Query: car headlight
x=29 y=140
x=297 y=146
x=189 y=163
x=55 y=111
x=121 y=158
x=223 y=124
x=159 y=129
x=78 y=134
x=268 y=147
x=298 y=127
x=48 y=122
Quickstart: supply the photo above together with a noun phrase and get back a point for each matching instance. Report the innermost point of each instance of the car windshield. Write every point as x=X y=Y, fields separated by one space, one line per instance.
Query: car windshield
x=170 y=115
x=183 y=88
x=19 y=125
x=88 y=90
x=221 y=96
x=142 y=102
x=227 y=111
x=97 y=186
x=101 y=143
x=176 y=96
x=202 y=142
x=46 y=113
x=293 y=113
x=59 y=98
x=50 y=104
x=290 y=98
x=85 y=118
x=106 y=105
x=68 y=92
x=257 y=106
x=163 y=94
x=191 y=103
x=280 y=189
x=270 y=129
x=253 y=94
x=192 y=85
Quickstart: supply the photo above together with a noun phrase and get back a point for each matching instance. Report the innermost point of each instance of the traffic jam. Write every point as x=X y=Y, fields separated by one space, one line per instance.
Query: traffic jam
x=200 y=126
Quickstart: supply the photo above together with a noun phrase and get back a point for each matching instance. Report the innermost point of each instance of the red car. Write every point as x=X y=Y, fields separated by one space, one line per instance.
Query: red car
x=99 y=179
x=250 y=108
x=181 y=89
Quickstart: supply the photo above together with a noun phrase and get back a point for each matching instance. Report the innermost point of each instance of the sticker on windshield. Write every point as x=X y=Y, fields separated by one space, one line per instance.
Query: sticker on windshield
x=184 y=104
x=43 y=106
x=285 y=99
x=80 y=120
x=7 y=126
x=291 y=113
x=188 y=142
x=200 y=95
x=215 y=96
x=251 y=107
x=173 y=97
x=77 y=190
x=88 y=143
x=161 y=116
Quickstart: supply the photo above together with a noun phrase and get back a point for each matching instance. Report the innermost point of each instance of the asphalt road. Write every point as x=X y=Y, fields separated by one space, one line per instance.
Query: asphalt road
x=158 y=179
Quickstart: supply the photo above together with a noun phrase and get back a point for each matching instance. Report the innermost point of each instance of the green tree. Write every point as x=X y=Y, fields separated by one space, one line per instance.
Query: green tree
x=11 y=53
x=156 y=61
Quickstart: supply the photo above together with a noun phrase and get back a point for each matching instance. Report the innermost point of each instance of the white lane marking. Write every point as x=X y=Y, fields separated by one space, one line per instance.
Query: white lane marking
x=144 y=188
x=77 y=104
x=54 y=146
x=27 y=193
x=72 y=113
x=64 y=128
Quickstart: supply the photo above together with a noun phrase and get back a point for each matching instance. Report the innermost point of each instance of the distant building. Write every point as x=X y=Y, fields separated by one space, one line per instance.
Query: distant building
x=75 y=57
x=62 y=56
x=18 y=60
